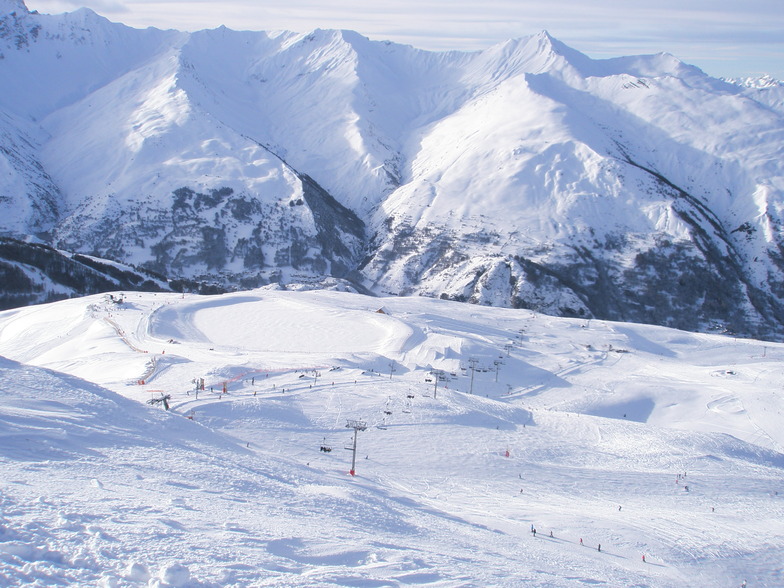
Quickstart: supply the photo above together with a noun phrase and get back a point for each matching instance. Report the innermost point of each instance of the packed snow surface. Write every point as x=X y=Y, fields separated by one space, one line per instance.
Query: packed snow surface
x=660 y=446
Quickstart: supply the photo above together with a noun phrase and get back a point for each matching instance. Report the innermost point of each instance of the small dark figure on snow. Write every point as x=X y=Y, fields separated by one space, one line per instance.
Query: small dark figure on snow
x=599 y=548
x=163 y=399
x=534 y=531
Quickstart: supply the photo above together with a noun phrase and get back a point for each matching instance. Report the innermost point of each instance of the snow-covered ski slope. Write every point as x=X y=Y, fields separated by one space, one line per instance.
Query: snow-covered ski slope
x=644 y=440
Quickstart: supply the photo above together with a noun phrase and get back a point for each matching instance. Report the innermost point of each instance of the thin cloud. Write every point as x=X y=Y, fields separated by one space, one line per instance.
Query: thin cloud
x=104 y=7
x=725 y=37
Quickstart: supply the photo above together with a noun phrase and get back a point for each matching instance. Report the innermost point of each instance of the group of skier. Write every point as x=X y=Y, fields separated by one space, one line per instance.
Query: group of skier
x=598 y=547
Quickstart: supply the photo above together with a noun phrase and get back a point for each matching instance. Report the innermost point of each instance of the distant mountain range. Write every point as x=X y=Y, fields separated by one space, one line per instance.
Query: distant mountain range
x=527 y=175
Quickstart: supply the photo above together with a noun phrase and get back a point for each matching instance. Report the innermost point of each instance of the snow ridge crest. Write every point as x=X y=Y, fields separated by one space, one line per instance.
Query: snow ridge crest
x=9 y=6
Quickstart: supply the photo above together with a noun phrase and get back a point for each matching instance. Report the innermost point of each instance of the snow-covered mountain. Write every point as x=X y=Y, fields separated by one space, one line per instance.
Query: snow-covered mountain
x=525 y=175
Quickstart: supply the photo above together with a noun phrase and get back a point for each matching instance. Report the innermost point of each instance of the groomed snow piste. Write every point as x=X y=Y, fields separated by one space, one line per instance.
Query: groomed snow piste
x=481 y=424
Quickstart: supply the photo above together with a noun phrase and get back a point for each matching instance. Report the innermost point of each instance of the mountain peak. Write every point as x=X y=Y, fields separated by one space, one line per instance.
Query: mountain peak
x=549 y=45
x=545 y=38
x=536 y=54
x=525 y=175
x=757 y=82
x=9 y=6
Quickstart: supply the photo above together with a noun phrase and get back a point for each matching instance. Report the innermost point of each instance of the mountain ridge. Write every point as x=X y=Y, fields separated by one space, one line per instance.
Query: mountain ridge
x=524 y=175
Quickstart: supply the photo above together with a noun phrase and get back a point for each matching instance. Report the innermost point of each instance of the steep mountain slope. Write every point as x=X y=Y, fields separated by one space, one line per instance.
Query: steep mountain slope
x=594 y=185
x=33 y=273
x=148 y=177
x=525 y=175
x=29 y=199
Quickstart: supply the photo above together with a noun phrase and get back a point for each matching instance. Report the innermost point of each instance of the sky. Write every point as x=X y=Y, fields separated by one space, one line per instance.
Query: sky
x=725 y=38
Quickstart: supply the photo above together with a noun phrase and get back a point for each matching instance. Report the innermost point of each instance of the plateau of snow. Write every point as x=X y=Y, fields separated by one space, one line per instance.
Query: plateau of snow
x=642 y=456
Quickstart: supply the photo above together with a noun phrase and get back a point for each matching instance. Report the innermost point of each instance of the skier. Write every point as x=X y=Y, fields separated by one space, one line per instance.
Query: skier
x=619 y=508
x=600 y=547
x=534 y=532
x=581 y=540
x=643 y=558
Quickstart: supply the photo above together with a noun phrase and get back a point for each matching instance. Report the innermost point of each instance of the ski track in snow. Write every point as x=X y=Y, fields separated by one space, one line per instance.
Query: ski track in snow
x=586 y=434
